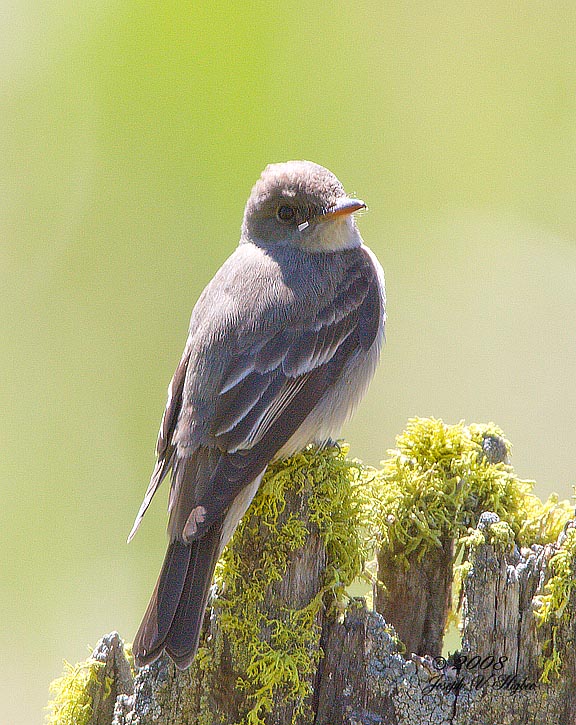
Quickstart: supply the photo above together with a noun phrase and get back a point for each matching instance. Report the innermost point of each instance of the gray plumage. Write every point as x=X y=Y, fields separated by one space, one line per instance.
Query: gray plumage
x=282 y=345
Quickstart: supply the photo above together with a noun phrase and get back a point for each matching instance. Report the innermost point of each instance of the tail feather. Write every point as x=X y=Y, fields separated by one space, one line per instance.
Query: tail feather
x=182 y=640
x=152 y=633
x=173 y=620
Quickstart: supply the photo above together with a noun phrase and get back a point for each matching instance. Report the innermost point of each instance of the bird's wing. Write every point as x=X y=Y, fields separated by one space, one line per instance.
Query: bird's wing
x=268 y=391
x=260 y=383
x=164 y=444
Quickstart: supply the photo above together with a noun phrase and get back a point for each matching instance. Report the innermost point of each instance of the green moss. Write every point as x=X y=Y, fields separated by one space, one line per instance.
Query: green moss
x=500 y=535
x=553 y=609
x=337 y=507
x=544 y=520
x=438 y=481
x=73 y=693
x=435 y=484
x=282 y=663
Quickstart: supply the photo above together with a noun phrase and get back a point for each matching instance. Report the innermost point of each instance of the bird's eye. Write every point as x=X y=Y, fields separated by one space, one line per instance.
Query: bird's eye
x=285 y=213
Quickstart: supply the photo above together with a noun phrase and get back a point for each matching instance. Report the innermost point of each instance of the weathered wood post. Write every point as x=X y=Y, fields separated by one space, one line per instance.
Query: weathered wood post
x=284 y=644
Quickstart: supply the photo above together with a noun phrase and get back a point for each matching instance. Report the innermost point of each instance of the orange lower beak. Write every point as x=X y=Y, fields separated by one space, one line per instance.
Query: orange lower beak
x=343 y=207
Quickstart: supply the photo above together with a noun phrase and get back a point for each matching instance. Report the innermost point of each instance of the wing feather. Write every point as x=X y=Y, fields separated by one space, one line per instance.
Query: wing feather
x=164 y=446
x=235 y=469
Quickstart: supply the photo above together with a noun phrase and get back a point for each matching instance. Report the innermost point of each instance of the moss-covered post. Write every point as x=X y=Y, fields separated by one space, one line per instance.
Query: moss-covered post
x=296 y=550
x=285 y=644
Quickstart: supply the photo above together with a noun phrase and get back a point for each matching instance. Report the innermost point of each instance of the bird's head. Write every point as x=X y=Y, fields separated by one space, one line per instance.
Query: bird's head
x=302 y=204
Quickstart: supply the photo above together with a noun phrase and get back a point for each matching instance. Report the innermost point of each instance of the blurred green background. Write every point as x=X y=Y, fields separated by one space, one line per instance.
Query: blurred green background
x=130 y=136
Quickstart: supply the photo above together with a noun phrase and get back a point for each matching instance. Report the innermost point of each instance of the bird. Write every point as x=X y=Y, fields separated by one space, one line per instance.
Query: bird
x=282 y=345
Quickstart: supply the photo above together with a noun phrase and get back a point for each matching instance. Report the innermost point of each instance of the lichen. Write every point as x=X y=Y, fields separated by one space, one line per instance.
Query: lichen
x=544 y=521
x=73 y=693
x=438 y=481
x=553 y=609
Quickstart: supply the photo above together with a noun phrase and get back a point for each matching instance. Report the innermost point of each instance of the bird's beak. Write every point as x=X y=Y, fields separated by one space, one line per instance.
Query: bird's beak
x=343 y=207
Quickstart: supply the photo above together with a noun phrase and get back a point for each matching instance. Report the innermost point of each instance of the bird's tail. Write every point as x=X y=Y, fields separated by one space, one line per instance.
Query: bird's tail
x=174 y=617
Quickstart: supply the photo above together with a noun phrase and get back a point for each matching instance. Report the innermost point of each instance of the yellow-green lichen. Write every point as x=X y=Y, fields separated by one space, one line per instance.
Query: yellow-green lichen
x=435 y=485
x=544 y=520
x=438 y=481
x=73 y=693
x=500 y=535
x=283 y=662
x=553 y=609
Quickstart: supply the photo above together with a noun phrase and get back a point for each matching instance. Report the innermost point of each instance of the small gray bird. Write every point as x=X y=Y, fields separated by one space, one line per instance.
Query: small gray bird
x=282 y=345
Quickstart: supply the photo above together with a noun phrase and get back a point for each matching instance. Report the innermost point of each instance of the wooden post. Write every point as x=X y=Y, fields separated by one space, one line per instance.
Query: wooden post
x=283 y=645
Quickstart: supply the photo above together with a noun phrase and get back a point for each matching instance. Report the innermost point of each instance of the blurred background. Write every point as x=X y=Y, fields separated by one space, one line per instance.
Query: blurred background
x=131 y=135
